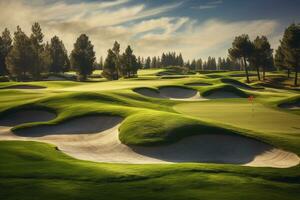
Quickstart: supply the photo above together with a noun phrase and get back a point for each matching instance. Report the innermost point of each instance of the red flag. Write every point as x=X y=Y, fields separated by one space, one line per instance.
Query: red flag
x=251 y=98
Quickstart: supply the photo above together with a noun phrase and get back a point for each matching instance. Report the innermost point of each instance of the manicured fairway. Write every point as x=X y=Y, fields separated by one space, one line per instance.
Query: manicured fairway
x=243 y=114
x=36 y=170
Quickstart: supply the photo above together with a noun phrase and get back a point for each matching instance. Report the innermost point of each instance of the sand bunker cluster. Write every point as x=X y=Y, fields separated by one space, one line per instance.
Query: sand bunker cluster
x=95 y=138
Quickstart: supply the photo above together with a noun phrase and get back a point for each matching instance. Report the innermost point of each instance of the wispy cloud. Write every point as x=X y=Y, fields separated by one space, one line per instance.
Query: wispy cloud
x=150 y=30
x=208 y=5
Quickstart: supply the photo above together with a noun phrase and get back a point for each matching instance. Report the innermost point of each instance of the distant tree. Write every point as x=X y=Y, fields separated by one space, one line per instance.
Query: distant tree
x=21 y=56
x=199 y=66
x=242 y=49
x=280 y=62
x=148 y=63
x=291 y=48
x=220 y=63
x=37 y=38
x=117 y=57
x=101 y=63
x=193 y=65
x=110 y=71
x=129 y=63
x=83 y=57
x=140 y=63
x=46 y=58
x=158 y=62
x=59 y=56
x=5 y=47
x=153 y=63
x=262 y=55
x=180 y=61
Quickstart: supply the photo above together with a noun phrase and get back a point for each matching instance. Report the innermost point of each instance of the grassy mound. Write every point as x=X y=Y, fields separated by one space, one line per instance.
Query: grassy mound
x=156 y=128
x=175 y=70
x=237 y=83
x=24 y=87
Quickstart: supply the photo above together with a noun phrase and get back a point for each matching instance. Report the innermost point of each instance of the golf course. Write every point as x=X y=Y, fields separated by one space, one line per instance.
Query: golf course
x=164 y=136
x=149 y=100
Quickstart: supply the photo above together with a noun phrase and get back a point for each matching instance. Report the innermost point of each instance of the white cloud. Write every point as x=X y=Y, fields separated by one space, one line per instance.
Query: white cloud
x=137 y=25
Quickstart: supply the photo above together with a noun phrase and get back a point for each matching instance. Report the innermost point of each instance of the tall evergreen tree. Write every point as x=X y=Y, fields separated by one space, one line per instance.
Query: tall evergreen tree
x=110 y=71
x=37 y=38
x=21 y=56
x=154 y=62
x=59 y=56
x=140 y=64
x=46 y=58
x=291 y=48
x=280 y=60
x=129 y=63
x=242 y=49
x=5 y=47
x=101 y=63
x=83 y=57
x=148 y=63
x=117 y=57
x=262 y=55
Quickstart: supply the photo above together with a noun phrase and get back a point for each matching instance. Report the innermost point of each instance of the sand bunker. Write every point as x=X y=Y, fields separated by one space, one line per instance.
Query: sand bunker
x=82 y=125
x=29 y=87
x=222 y=95
x=198 y=84
x=221 y=148
x=96 y=138
x=26 y=116
x=175 y=93
x=291 y=106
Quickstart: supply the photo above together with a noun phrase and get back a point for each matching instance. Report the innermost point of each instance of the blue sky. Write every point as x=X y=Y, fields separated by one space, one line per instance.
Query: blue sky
x=197 y=28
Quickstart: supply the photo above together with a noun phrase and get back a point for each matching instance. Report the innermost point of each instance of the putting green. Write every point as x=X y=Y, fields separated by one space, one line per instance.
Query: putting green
x=245 y=115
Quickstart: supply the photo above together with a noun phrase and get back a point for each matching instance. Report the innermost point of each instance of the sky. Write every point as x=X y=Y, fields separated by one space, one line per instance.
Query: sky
x=196 y=28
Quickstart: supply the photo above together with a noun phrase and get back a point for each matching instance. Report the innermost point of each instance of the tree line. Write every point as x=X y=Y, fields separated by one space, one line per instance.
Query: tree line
x=259 y=54
x=27 y=57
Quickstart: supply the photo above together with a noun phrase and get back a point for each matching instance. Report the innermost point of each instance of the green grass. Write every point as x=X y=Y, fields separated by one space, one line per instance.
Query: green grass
x=32 y=170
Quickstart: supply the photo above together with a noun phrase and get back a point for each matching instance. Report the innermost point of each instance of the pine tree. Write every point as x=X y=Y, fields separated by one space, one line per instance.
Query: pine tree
x=148 y=63
x=262 y=55
x=5 y=47
x=110 y=71
x=180 y=61
x=117 y=57
x=83 y=57
x=46 y=58
x=140 y=64
x=37 y=42
x=291 y=48
x=154 y=62
x=280 y=60
x=59 y=56
x=242 y=49
x=129 y=63
x=21 y=56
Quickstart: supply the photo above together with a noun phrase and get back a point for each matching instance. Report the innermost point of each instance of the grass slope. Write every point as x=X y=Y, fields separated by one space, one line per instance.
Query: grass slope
x=31 y=170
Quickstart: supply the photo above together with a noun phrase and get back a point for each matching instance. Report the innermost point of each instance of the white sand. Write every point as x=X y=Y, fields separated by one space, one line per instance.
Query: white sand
x=173 y=93
x=95 y=138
